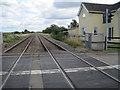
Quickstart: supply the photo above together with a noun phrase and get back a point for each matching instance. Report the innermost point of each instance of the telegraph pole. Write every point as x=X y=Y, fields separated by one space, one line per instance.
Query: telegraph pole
x=106 y=38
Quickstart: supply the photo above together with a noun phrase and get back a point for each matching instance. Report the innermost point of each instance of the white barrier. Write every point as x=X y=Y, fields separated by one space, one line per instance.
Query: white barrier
x=95 y=42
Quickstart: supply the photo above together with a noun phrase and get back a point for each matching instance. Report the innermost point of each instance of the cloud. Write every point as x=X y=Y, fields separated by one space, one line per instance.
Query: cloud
x=38 y=14
x=66 y=4
x=8 y=2
x=4 y=4
x=76 y=3
x=33 y=15
x=60 y=13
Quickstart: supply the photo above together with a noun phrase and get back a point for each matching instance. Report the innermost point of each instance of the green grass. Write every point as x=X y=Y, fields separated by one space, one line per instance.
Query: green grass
x=74 y=42
x=113 y=47
x=118 y=49
x=60 y=37
x=9 y=37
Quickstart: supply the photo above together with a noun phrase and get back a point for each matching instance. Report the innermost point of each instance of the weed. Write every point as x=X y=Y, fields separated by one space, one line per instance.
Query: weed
x=60 y=37
x=74 y=42
x=9 y=37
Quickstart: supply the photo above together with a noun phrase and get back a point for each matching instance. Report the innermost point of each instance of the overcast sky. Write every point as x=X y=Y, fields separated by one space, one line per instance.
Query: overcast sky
x=36 y=15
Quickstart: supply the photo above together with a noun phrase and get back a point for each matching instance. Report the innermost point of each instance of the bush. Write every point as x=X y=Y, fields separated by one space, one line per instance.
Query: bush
x=54 y=29
x=9 y=37
x=74 y=42
x=60 y=37
x=16 y=32
x=26 y=31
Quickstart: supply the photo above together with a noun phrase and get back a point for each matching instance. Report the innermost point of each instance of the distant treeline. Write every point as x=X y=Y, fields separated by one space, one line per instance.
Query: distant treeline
x=24 y=32
x=56 y=32
x=54 y=29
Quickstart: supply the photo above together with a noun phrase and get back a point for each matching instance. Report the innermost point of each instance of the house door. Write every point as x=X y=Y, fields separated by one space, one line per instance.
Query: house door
x=110 y=33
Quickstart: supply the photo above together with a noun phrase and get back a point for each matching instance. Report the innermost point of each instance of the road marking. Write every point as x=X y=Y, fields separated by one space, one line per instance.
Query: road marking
x=51 y=71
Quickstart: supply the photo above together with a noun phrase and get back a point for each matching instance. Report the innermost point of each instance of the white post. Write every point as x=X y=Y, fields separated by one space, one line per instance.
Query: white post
x=106 y=29
x=1 y=42
x=1 y=38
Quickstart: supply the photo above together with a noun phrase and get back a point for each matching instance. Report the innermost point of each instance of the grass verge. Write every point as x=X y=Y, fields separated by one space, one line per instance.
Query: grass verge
x=7 y=38
x=10 y=37
x=60 y=37
x=118 y=47
x=113 y=45
x=73 y=42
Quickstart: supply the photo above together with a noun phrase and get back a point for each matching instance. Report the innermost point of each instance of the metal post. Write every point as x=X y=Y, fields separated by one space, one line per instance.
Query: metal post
x=1 y=42
x=106 y=29
x=1 y=38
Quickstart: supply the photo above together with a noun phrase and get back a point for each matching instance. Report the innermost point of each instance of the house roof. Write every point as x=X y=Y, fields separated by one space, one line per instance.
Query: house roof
x=100 y=8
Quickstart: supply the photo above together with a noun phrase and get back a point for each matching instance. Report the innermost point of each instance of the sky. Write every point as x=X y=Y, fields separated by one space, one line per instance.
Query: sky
x=36 y=15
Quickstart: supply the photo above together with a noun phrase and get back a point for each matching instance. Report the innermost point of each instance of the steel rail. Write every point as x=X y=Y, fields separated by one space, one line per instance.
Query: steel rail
x=14 y=65
x=15 y=45
x=59 y=66
x=115 y=79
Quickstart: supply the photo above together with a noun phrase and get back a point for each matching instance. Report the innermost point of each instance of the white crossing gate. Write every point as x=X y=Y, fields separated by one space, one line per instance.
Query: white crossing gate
x=94 y=41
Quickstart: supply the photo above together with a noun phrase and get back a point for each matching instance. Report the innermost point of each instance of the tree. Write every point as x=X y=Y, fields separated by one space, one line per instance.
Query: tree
x=25 y=31
x=16 y=32
x=32 y=32
x=68 y=26
x=73 y=24
x=54 y=29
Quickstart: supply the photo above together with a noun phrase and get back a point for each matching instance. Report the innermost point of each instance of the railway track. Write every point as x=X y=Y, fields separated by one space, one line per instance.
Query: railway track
x=16 y=58
x=11 y=68
x=54 y=58
x=59 y=56
x=15 y=45
x=13 y=53
x=59 y=66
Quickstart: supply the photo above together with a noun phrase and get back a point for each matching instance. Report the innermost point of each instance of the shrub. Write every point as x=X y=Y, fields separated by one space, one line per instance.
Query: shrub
x=74 y=42
x=9 y=37
x=60 y=36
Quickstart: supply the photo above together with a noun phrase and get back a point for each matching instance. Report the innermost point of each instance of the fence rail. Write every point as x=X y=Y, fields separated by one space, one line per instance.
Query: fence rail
x=113 y=37
x=113 y=44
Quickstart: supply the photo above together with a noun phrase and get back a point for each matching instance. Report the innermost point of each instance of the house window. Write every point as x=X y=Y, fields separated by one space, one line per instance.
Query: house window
x=95 y=30
x=83 y=31
x=110 y=33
